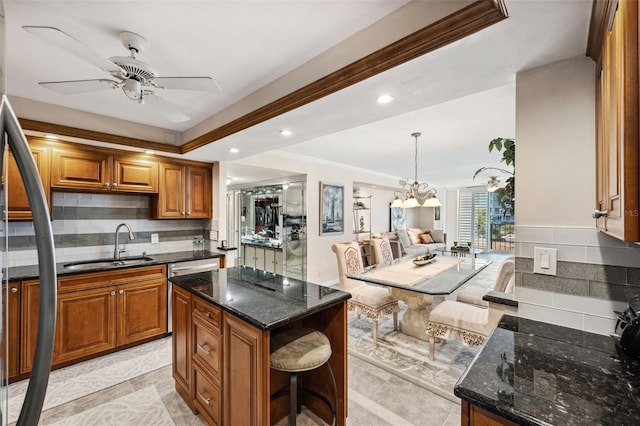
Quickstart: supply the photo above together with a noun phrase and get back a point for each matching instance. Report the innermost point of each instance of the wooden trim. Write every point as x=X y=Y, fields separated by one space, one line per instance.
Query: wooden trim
x=58 y=129
x=602 y=14
x=454 y=27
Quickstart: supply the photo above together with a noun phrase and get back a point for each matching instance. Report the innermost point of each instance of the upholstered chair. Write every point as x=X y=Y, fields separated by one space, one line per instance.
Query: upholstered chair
x=473 y=295
x=368 y=300
x=382 y=251
x=461 y=321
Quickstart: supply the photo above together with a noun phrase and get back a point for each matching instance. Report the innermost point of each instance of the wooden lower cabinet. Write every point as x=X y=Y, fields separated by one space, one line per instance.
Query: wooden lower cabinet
x=181 y=342
x=246 y=396
x=97 y=312
x=11 y=306
x=85 y=324
x=472 y=415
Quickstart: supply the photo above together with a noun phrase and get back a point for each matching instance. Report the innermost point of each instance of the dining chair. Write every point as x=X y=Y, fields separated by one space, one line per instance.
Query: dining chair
x=367 y=300
x=382 y=251
x=474 y=295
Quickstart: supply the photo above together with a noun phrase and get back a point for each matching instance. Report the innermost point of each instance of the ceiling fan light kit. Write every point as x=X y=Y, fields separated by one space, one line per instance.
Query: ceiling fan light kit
x=135 y=77
x=418 y=194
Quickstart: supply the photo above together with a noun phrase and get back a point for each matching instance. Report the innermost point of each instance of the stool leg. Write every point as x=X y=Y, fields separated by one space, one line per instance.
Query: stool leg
x=335 y=395
x=293 y=399
x=395 y=321
x=432 y=347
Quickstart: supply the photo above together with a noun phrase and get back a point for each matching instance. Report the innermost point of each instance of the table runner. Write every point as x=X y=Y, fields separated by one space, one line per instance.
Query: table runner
x=409 y=274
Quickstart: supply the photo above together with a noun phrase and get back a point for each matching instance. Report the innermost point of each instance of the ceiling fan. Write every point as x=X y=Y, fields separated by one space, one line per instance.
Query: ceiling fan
x=138 y=80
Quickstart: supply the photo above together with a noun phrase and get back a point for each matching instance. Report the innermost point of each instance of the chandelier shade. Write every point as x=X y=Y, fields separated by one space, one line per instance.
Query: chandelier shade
x=417 y=194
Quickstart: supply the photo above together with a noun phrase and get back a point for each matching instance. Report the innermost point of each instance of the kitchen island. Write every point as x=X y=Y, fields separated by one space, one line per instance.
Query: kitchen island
x=222 y=323
x=535 y=373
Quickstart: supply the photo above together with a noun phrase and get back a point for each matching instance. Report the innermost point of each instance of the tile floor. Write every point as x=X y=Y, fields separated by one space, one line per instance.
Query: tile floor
x=376 y=397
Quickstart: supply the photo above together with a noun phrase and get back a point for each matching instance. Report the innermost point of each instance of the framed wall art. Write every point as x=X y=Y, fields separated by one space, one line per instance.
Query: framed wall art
x=331 y=209
x=397 y=218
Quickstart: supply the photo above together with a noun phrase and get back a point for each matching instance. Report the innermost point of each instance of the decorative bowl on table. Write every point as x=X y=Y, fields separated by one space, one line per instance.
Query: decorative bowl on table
x=424 y=260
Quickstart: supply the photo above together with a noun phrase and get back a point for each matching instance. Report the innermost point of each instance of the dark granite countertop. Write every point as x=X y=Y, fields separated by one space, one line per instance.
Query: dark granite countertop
x=260 y=298
x=537 y=373
x=19 y=273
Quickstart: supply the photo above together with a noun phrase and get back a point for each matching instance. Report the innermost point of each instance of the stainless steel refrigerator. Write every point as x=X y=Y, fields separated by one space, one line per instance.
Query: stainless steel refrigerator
x=12 y=137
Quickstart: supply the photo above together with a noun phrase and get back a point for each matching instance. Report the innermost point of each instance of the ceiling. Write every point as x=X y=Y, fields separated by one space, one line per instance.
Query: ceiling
x=460 y=96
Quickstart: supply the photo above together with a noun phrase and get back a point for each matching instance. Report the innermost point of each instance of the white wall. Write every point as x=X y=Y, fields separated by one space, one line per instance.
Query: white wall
x=555 y=191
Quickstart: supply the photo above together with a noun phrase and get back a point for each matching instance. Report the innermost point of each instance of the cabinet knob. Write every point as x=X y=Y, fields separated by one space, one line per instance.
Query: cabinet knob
x=114 y=184
x=182 y=213
x=121 y=292
x=106 y=184
x=188 y=213
x=14 y=289
x=113 y=293
x=205 y=313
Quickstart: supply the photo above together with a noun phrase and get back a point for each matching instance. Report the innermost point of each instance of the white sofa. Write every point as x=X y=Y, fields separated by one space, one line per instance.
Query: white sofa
x=412 y=240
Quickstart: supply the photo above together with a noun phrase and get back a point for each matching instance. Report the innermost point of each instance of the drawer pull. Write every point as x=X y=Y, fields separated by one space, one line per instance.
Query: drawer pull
x=205 y=313
x=14 y=289
x=204 y=398
x=205 y=348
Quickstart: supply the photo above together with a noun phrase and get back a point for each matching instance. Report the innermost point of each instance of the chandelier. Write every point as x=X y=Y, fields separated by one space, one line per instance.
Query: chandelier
x=417 y=194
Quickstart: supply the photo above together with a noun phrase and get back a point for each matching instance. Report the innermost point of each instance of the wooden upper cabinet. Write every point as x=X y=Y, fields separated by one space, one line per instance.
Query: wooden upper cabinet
x=184 y=193
x=101 y=171
x=134 y=175
x=617 y=143
x=17 y=202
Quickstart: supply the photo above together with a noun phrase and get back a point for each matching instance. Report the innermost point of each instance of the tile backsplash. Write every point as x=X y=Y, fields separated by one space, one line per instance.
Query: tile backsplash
x=596 y=275
x=84 y=228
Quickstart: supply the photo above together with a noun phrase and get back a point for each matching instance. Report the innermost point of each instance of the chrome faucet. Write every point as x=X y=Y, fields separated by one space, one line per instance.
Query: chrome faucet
x=117 y=250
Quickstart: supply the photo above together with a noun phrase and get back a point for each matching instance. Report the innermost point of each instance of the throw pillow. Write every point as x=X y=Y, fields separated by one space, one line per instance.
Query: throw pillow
x=425 y=239
x=403 y=236
x=437 y=235
x=413 y=235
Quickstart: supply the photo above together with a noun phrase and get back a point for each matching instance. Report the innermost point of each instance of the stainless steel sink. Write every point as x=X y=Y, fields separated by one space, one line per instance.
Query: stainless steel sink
x=106 y=263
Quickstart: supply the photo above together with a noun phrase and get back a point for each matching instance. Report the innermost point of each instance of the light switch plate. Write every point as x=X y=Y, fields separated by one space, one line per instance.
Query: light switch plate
x=545 y=260
x=155 y=239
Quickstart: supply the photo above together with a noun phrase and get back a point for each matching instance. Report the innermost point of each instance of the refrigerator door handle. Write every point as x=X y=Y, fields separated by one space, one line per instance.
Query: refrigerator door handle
x=36 y=391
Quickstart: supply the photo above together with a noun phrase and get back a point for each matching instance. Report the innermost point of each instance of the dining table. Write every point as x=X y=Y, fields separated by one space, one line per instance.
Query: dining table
x=421 y=284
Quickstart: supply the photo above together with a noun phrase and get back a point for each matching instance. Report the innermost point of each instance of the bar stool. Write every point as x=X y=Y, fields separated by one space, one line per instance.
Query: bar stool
x=297 y=350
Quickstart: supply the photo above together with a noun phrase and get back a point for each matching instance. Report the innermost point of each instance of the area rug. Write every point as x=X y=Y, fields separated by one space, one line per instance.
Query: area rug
x=408 y=357
x=143 y=407
x=78 y=380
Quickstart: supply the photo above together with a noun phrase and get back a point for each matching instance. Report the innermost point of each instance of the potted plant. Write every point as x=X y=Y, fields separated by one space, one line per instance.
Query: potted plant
x=455 y=244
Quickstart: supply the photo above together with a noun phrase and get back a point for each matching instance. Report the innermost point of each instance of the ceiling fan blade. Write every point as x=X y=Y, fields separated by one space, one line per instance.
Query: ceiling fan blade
x=73 y=46
x=170 y=111
x=79 y=86
x=204 y=84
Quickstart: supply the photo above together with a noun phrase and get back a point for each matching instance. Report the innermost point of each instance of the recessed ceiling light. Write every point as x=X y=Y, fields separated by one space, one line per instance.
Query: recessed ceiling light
x=286 y=132
x=229 y=179
x=53 y=137
x=234 y=150
x=148 y=151
x=384 y=99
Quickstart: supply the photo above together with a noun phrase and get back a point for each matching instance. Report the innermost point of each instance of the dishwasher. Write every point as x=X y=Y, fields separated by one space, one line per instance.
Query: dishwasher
x=185 y=268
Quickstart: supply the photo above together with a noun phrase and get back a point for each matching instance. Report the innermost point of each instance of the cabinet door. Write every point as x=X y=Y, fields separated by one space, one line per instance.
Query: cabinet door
x=260 y=258
x=134 y=175
x=142 y=310
x=181 y=324
x=273 y=261
x=80 y=170
x=30 y=302
x=250 y=256
x=618 y=150
x=11 y=306
x=85 y=323
x=17 y=202
x=198 y=188
x=246 y=370
x=170 y=200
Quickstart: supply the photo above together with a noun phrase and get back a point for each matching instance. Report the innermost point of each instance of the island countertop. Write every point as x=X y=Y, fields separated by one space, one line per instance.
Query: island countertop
x=537 y=373
x=265 y=300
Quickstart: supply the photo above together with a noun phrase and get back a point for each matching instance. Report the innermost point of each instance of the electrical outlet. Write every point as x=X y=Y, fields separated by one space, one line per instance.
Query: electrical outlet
x=155 y=239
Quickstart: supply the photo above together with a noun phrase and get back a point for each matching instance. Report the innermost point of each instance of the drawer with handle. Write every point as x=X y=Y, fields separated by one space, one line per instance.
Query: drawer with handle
x=206 y=398
x=207 y=348
x=208 y=313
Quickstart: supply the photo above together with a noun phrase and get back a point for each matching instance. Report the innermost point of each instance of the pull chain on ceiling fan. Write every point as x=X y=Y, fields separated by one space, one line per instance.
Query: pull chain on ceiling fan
x=138 y=80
